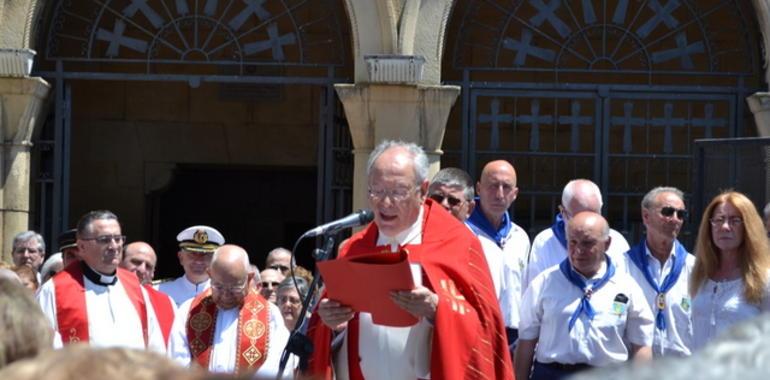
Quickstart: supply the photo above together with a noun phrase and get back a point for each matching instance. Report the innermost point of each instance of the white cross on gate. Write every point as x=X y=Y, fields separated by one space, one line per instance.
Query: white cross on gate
x=116 y=39
x=274 y=42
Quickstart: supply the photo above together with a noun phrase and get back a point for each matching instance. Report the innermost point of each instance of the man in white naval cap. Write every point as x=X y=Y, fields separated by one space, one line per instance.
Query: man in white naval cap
x=196 y=247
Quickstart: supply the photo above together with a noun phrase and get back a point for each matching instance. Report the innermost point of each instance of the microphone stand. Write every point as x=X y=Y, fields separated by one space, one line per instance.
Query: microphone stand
x=299 y=344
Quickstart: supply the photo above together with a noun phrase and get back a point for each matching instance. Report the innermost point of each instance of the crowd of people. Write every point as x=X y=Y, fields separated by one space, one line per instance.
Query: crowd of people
x=489 y=303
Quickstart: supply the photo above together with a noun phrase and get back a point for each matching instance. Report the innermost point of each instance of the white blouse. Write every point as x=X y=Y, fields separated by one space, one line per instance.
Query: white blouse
x=720 y=304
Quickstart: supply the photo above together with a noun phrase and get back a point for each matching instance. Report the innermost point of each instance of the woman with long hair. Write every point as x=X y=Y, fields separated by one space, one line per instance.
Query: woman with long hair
x=729 y=282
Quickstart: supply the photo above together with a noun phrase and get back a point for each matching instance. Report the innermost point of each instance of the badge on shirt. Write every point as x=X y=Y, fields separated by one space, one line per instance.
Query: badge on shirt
x=620 y=304
x=685 y=304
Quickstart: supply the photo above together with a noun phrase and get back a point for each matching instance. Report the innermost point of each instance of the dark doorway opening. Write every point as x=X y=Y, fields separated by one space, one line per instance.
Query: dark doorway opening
x=257 y=208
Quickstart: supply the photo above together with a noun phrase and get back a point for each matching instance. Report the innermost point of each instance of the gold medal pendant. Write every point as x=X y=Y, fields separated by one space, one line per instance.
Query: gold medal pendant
x=661 y=301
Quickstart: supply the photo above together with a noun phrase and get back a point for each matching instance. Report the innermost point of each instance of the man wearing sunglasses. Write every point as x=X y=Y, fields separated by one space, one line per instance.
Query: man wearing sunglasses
x=196 y=245
x=268 y=283
x=94 y=301
x=491 y=221
x=550 y=246
x=662 y=267
x=452 y=188
x=229 y=327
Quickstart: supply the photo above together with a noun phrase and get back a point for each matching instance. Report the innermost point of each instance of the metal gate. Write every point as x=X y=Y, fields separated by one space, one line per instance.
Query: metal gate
x=610 y=90
x=240 y=44
x=626 y=141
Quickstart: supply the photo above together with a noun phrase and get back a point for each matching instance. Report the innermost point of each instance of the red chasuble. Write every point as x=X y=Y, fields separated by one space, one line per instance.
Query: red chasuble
x=70 y=293
x=469 y=340
x=164 y=311
x=253 y=330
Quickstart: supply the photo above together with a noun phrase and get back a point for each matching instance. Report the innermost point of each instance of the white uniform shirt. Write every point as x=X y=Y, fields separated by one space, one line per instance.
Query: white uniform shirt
x=550 y=301
x=223 y=353
x=515 y=248
x=547 y=252
x=112 y=319
x=497 y=270
x=181 y=290
x=676 y=340
x=719 y=305
x=391 y=352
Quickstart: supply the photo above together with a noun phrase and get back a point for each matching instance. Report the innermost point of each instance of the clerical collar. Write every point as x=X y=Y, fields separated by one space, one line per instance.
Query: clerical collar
x=98 y=278
x=411 y=235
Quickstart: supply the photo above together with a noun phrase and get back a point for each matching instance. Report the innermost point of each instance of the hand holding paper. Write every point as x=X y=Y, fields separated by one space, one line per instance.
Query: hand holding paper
x=365 y=283
x=420 y=302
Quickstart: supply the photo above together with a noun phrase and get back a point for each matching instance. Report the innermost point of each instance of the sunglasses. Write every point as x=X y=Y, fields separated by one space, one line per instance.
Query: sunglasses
x=280 y=268
x=439 y=198
x=668 y=211
x=268 y=284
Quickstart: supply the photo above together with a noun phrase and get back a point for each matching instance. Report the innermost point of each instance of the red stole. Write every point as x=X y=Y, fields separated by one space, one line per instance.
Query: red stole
x=469 y=340
x=71 y=314
x=253 y=330
x=164 y=311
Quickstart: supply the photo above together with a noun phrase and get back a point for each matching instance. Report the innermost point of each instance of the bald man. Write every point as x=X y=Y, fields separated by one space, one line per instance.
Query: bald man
x=279 y=259
x=584 y=312
x=491 y=221
x=550 y=246
x=230 y=327
x=140 y=258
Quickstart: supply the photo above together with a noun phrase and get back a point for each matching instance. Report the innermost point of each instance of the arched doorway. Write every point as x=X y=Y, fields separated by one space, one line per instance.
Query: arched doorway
x=611 y=90
x=157 y=102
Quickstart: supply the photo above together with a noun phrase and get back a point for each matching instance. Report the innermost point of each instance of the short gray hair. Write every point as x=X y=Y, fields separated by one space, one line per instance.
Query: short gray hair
x=419 y=158
x=301 y=286
x=649 y=198
x=21 y=237
x=569 y=191
x=454 y=177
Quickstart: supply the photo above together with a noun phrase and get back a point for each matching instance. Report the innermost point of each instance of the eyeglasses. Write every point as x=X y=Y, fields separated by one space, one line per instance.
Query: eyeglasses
x=293 y=301
x=720 y=221
x=269 y=284
x=669 y=211
x=23 y=250
x=228 y=289
x=282 y=268
x=106 y=239
x=396 y=195
x=439 y=198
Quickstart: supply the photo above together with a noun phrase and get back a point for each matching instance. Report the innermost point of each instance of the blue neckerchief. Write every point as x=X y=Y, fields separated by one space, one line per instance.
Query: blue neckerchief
x=577 y=280
x=559 y=231
x=480 y=225
x=638 y=256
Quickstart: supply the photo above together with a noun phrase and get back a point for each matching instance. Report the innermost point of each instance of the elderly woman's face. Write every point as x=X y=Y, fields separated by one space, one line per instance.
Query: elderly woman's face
x=290 y=305
x=727 y=227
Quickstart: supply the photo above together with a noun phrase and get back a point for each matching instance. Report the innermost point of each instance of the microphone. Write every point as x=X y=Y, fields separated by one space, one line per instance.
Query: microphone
x=358 y=218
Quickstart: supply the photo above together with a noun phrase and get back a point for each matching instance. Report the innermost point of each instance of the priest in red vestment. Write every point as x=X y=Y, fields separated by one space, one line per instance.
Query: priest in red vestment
x=459 y=333
x=229 y=327
x=94 y=301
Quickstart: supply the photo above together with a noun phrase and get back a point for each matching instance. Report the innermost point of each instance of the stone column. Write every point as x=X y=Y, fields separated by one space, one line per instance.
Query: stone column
x=21 y=99
x=377 y=112
x=759 y=104
x=397 y=52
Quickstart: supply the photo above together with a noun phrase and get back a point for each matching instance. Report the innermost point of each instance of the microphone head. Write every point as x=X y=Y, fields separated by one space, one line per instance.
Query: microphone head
x=365 y=216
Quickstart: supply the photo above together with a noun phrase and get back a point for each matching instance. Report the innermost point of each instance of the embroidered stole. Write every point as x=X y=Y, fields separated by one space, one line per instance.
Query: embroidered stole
x=253 y=331
x=71 y=312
